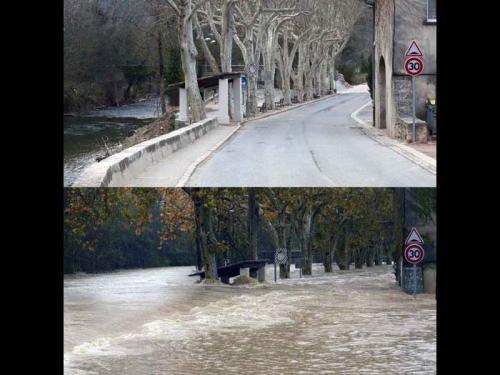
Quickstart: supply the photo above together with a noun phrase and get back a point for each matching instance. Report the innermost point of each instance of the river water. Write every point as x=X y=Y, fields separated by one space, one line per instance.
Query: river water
x=84 y=136
x=160 y=321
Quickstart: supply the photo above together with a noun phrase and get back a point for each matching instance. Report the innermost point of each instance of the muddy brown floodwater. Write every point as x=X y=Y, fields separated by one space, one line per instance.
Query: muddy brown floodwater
x=161 y=322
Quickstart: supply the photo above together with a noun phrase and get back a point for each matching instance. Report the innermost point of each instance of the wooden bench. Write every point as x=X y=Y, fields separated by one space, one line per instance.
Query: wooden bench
x=295 y=99
x=263 y=107
x=280 y=103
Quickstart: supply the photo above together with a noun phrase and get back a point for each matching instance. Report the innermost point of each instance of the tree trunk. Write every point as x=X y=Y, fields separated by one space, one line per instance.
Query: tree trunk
x=286 y=241
x=331 y=74
x=377 y=256
x=308 y=84
x=325 y=82
x=269 y=88
x=188 y=55
x=317 y=79
x=329 y=255
x=252 y=105
x=247 y=50
x=285 y=72
x=342 y=253
x=308 y=258
x=227 y=30
x=369 y=258
x=212 y=62
x=202 y=222
x=327 y=261
x=299 y=78
x=161 y=69
x=253 y=222
x=359 y=259
x=287 y=97
x=269 y=69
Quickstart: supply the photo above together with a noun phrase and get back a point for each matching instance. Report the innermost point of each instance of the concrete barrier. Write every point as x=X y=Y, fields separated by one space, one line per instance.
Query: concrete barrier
x=120 y=168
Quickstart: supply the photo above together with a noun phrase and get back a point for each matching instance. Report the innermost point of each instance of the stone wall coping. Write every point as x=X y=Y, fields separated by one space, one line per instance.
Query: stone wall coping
x=101 y=174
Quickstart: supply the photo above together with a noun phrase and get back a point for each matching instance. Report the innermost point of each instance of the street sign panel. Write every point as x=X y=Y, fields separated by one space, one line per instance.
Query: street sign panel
x=413 y=237
x=414 y=50
x=414 y=253
x=414 y=66
x=280 y=256
x=299 y=263
x=252 y=69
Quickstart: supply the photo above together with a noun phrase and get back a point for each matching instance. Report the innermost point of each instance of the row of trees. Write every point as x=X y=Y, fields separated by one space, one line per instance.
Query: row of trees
x=114 y=48
x=299 y=39
x=359 y=226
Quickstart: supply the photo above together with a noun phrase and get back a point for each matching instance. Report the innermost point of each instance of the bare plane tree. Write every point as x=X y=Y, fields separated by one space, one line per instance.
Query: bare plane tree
x=185 y=10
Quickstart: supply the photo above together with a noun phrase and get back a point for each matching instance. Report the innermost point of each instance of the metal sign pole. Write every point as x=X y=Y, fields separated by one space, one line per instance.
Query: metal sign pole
x=401 y=283
x=414 y=281
x=414 y=108
x=275 y=270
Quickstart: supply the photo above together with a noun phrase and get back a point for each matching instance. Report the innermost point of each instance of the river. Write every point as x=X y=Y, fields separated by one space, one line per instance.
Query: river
x=84 y=135
x=160 y=321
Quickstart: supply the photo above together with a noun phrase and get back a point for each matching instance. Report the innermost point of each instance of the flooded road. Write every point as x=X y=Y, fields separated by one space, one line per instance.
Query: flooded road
x=84 y=136
x=161 y=322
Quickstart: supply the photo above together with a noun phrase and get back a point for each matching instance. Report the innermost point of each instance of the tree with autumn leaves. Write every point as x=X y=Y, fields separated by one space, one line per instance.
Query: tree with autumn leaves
x=359 y=226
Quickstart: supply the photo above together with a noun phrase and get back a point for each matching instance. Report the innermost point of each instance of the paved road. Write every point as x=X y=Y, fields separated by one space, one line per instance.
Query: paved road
x=316 y=145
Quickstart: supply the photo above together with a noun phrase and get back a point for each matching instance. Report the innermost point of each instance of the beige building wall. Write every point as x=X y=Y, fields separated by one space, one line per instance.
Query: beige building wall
x=397 y=23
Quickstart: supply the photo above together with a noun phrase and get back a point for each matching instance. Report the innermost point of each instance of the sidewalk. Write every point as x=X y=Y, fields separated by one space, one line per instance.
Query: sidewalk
x=172 y=169
x=422 y=154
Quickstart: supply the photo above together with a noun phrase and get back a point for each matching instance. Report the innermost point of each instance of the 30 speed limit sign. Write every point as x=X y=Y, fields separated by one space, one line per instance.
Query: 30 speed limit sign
x=414 y=66
x=414 y=253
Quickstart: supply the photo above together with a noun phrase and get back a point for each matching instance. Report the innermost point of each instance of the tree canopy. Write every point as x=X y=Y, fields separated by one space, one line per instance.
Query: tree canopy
x=131 y=227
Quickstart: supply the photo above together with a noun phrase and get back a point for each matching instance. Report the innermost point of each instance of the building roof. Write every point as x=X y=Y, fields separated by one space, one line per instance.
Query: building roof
x=210 y=81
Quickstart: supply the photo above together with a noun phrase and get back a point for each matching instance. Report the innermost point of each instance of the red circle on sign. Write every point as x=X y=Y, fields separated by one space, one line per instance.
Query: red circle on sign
x=414 y=66
x=414 y=253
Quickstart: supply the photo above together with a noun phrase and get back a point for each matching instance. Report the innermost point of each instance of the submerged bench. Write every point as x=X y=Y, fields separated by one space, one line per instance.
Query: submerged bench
x=251 y=268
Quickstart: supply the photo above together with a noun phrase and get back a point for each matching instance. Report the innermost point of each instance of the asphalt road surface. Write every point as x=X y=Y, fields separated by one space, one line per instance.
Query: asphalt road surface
x=313 y=146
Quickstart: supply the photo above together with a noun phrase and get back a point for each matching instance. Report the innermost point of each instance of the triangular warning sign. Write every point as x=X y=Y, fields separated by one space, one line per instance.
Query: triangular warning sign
x=414 y=50
x=413 y=237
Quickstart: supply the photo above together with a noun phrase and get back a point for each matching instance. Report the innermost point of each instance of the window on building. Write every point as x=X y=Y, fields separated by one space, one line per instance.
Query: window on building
x=431 y=11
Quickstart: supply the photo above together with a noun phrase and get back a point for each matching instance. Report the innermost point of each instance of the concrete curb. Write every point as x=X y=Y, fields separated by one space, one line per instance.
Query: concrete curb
x=118 y=168
x=417 y=157
x=192 y=168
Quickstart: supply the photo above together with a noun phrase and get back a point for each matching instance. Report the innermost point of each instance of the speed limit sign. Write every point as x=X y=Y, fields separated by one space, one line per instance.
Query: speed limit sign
x=414 y=253
x=414 y=66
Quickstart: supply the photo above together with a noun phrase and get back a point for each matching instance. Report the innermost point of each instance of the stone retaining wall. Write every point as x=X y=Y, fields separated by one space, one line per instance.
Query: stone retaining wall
x=119 y=169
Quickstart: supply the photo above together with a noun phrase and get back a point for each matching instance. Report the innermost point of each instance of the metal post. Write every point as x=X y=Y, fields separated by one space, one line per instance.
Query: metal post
x=300 y=273
x=401 y=281
x=414 y=281
x=275 y=269
x=414 y=108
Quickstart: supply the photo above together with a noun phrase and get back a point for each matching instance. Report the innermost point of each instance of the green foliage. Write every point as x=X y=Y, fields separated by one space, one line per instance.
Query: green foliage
x=423 y=202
